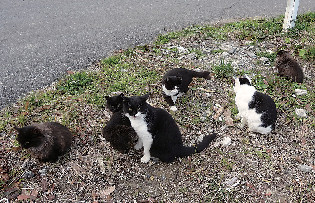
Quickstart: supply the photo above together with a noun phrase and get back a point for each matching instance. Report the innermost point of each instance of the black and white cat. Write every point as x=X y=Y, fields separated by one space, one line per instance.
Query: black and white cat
x=157 y=131
x=118 y=131
x=256 y=109
x=175 y=83
x=46 y=141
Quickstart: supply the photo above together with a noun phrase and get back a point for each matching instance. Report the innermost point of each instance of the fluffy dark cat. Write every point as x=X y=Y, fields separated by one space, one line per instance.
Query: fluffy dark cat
x=256 y=109
x=118 y=131
x=175 y=83
x=157 y=131
x=46 y=141
x=288 y=67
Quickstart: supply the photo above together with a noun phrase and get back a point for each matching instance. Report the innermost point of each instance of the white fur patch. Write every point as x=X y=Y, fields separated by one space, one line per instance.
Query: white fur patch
x=173 y=108
x=244 y=95
x=145 y=138
x=170 y=92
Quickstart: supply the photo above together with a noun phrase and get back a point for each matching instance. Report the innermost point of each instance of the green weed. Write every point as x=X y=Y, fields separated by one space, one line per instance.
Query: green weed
x=223 y=70
x=76 y=83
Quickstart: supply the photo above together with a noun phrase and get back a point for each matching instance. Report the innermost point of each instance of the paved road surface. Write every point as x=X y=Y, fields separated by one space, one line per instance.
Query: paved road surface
x=40 y=40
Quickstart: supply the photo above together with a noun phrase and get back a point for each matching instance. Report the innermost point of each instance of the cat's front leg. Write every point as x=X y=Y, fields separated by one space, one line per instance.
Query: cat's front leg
x=170 y=102
x=139 y=144
x=147 y=142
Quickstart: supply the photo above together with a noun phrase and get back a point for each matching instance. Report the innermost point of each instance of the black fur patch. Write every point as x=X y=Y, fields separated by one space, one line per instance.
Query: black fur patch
x=264 y=104
x=244 y=81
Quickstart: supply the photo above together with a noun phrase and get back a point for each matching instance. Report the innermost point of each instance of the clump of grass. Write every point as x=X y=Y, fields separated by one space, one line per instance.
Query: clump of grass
x=76 y=83
x=113 y=60
x=271 y=56
x=224 y=70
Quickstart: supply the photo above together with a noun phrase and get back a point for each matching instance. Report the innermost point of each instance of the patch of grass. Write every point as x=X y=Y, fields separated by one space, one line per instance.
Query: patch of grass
x=227 y=164
x=76 y=83
x=308 y=53
x=112 y=60
x=270 y=56
x=199 y=54
x=164 y=39
x=223 y=70
x=262 y=154
x=217 y=51
x=120 y=78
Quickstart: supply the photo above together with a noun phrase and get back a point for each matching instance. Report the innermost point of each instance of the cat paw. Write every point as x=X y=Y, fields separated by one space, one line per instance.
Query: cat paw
x=173 y=108
x=145 y=159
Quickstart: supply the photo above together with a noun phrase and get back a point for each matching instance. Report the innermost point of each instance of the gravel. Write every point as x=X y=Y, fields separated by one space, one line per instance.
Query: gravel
x=238 y=166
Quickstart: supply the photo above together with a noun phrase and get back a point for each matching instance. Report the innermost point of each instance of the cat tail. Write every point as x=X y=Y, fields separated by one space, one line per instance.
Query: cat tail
x=202 y=74
x=186 y=151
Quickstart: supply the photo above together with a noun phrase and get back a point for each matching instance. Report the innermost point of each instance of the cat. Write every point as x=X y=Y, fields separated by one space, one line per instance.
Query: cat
x=175 y=83
x=118 y=131
x=157 y=131
x=288 y=67
x=256 y=109
x=46 y=141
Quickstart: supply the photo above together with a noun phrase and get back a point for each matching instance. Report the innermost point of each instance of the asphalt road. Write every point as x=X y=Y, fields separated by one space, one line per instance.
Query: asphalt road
x=41 y=40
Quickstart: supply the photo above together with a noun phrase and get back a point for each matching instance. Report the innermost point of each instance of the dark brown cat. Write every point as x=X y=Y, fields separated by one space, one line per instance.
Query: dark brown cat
x=118 y=131
x=288 y=67
x=46 y=141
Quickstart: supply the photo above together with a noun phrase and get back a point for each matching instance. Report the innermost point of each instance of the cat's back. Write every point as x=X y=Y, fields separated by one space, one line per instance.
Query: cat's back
x=164 y=120
x=118 y=118
x=263 y=103
x=180 y=72
x=289 y=67
x=60 y=133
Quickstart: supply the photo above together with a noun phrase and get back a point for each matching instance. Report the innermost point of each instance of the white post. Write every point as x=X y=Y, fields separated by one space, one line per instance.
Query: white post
x=290 y=14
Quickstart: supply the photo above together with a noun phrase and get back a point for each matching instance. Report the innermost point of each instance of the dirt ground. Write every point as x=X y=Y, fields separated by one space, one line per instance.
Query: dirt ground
x=251 y=168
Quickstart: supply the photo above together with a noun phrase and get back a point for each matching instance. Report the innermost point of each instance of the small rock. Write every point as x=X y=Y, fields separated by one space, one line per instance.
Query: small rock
x=191 y=56
x=226 y=141
x=182 y=50
x=300 y=91
x=301 y=113
x=43 y=172
x=251 y=54
x=233 y=182
x=224 y=54
x=232 y=50
x=28 y=174
x=305 y=168
x=264 y=60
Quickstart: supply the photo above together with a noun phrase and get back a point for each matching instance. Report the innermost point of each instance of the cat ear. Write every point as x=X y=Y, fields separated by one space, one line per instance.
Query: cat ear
x=145 y=97
x=121 y=95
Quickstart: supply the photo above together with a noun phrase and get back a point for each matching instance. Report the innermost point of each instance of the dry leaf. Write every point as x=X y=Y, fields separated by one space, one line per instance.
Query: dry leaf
x=218 y=113
x=227 y=117
x=106 y=192
x=25 y=197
